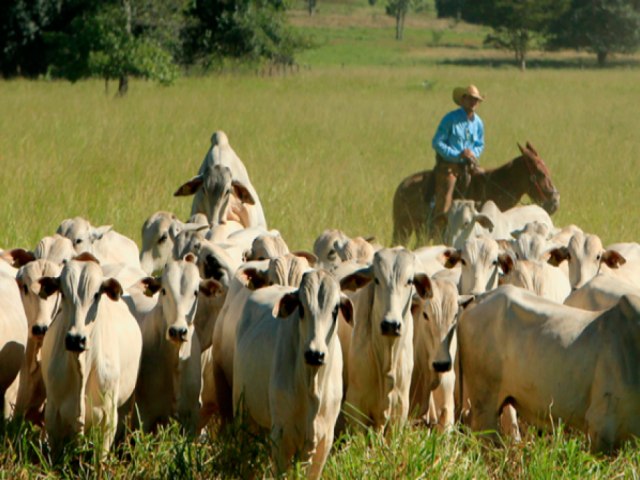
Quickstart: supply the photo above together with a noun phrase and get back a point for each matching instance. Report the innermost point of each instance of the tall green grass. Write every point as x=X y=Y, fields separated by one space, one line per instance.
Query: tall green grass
x=325 y=148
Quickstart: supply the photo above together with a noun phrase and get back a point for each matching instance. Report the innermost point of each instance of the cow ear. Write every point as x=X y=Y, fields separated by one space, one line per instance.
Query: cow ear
x=357 y=279
x=48 y=286
x=452 y=257
x=484 y=221
x=190 y=187
x=98 y=232
x=416 y=305
x=190 y=257
x=86 y=257
x=287 y=304
x=210 y=287
x=151 y=285
x=18 y=257
x=557 y=255
x=311 y=258
x=112 y=288
x=423 y=285
x=612 y=259
x=346 y=307
x=253 y=278
x=506 y=263
x=242 y=193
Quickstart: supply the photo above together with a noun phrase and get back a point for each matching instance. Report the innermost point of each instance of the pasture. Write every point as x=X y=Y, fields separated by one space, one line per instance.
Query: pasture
x=325 y=148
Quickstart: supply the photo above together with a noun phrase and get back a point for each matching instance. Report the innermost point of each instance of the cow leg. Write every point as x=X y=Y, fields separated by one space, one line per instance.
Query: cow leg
x=57 y=430
x=509 y=422
x=484 y=415
x=320 y=456
x=444 y=402
x=282 y=450
x=223 y=394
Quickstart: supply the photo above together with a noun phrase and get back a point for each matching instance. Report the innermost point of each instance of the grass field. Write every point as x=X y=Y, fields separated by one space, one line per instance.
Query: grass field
x=326 y=148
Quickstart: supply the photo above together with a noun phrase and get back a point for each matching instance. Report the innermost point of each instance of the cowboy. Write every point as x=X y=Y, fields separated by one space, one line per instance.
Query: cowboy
x=458 y=142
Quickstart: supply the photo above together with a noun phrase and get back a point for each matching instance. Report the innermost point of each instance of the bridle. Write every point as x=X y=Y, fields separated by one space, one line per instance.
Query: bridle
x=535 y=180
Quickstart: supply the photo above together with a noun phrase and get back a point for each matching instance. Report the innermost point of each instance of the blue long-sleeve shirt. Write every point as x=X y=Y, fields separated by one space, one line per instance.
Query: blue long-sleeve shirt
x=455 y=133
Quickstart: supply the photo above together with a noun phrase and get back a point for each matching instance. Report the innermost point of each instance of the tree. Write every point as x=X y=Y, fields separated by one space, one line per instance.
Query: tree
x=247 y=29
x=599 y=26
x=104 y=43
x=399 y=10
x=517 y=24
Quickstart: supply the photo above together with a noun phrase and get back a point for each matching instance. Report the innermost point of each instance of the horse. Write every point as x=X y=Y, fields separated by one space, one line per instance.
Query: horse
x=527 y=174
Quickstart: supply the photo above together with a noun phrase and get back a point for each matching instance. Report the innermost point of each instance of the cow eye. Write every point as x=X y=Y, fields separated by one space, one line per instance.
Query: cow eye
x=335 y=313
x=494 y=263
x=163 y=291
x=195 y=293
x=78 y=241
x=97 y=296
x=331 y=255
x=25 y=289
x=598 y=257
x=376 y=281
x=463 y=261
x=425 y=316
x=410 y=282
x=163 y=238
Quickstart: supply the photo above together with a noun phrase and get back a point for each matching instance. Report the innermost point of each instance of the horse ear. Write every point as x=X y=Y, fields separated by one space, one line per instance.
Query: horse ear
x=521 y=149
x=533 y=150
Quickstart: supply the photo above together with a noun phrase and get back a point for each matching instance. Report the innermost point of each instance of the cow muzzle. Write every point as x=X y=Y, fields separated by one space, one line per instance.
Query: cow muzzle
x=38 y=331
x=390 y=328
x=74 y=342
x=441 y=367
x=314 y=358
x=178 y=334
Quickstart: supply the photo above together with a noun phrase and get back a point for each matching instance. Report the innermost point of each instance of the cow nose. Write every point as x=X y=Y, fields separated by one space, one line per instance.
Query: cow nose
x=441 y=367
x=390 y=328
x=178 y=333
x=314 y=358
x=75 y=342
x=39 y=330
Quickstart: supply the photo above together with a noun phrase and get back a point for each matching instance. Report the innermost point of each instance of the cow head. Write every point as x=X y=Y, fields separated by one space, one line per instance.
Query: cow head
x=82 y=286
x=82 y=234
x=39 y=311
x=480 y=262
x=317 y=302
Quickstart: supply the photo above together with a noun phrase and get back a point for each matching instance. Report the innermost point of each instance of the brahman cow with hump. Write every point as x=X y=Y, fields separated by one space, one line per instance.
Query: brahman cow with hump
x=287 y=367
x=104 y=243
x=90 y=354
x=553 y=361
x=381 y=351
x=222 y=187
x=40 y=312
x=170 y=375
x=601 y=292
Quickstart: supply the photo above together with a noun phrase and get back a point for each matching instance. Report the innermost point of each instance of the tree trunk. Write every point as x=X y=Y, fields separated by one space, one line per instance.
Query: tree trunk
x=399 y=24
x=602 y=58
x=312 y=7
x=123 y=84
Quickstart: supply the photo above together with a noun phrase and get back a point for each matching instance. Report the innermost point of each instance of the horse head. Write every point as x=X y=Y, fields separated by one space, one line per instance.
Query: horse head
x=541 y=187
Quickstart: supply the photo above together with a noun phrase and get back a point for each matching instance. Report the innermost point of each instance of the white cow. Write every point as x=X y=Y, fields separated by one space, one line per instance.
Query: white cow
x=13 y=338
x=480 y=258
x=170 y=372
x=104 y=243
x=381 y=352
x=90 y=354
x=56 y=248
x=536 y=276
x=222 y=187
x=218 y=360
x=465 y=221
x=435 y=346
x=288 y=367
x=601 y=292
x=587 y=257
x=40 y=312
x=332 y=247
x=550 y=360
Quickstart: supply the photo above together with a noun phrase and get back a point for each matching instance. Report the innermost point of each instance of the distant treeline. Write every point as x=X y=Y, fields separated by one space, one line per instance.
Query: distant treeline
x=602 y=27
x=114 y=39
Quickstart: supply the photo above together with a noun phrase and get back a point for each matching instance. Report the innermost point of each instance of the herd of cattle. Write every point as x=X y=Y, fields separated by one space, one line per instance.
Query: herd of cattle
x=513 y=317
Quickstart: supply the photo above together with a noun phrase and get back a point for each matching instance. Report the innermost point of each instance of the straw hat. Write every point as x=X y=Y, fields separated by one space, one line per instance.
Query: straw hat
x=471 y=91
